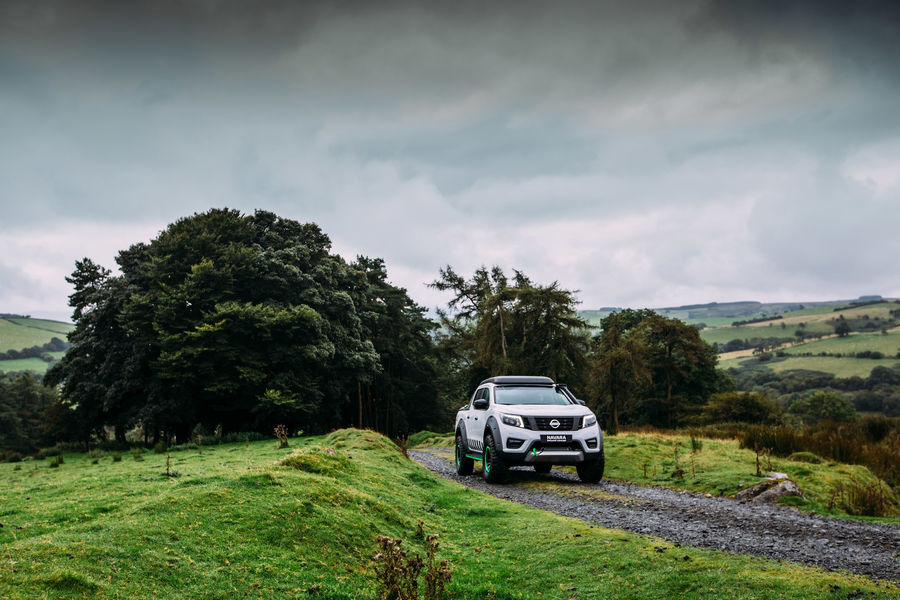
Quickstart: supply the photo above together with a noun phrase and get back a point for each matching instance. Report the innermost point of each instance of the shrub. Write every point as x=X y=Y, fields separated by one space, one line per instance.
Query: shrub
x=807 y=457
x=57 y=460
x=137 y=453
x=397 y=572
x=281 y=433
x=869 y=500
x=160 y=447
x=117 y=457
x=11 y=457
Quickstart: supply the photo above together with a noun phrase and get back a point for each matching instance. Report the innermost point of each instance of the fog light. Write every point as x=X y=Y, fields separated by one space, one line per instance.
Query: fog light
x=591 y=443
x=516 y=442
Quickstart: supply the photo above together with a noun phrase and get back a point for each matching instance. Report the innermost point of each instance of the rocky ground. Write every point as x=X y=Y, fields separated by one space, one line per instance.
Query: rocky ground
x=696 y=519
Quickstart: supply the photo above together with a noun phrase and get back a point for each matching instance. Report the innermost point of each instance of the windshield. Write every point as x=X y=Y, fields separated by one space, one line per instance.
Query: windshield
x=529 y=395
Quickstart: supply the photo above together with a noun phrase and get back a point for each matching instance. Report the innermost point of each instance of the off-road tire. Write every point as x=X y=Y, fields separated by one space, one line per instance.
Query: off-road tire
x=591 y=471
x=494 y=466
x=542 y=468
x=464 y=464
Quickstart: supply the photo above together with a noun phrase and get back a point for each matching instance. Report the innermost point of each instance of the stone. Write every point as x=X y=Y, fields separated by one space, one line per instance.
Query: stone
x=781 y=489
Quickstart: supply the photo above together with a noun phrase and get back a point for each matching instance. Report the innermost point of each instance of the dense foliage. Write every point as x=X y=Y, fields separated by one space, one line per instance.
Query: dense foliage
x=649 y=369
x=498 y=326
x=245 y=322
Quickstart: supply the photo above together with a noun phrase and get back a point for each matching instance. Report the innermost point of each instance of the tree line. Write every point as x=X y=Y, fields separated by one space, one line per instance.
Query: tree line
x=244 y=322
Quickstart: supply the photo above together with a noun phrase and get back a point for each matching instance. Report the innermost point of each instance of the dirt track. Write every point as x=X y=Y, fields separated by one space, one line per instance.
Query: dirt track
x=697 y=520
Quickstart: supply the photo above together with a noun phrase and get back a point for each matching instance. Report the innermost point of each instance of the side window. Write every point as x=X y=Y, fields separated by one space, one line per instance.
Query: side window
x=481 y=393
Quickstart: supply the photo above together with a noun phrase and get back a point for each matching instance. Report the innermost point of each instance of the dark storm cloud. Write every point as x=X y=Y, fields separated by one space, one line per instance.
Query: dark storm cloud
x=644 y=152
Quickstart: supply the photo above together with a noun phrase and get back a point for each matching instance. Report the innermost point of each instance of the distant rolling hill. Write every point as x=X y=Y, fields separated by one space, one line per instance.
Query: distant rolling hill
x=800 y=334
x=18 y=334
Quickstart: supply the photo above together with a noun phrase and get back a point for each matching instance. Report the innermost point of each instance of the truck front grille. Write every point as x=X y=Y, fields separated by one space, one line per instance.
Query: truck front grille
x=543 y=423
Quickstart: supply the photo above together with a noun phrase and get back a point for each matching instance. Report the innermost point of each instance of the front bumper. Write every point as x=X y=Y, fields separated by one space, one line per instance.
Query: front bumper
x=526 y=446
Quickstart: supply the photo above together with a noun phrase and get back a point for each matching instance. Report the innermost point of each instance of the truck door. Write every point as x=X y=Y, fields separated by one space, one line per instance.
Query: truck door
x=475 y=420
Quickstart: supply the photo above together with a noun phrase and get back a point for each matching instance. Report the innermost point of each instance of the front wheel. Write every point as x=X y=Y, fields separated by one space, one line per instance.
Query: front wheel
x=591 y=471
x=494 y=467
x=464 y=464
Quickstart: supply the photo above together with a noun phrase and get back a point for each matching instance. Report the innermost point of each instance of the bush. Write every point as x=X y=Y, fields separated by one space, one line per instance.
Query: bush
x=11 y=457
x=741 y=407
x=159 y=447
x=117 y=457
x=807 y=457
x=137 y=453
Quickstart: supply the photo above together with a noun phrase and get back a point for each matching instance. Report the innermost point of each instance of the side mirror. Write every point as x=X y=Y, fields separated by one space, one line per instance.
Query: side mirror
x=480 y=404
x=581 y=402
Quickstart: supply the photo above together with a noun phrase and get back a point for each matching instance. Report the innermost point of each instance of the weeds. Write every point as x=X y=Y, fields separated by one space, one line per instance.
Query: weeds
x=281 y=432
x=696 y=444
x=57 y=460
x=137 y=454
x=117 y=457
x=397 y=572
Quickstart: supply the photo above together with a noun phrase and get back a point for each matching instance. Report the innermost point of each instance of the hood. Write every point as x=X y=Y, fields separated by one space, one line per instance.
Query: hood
x=538 y=410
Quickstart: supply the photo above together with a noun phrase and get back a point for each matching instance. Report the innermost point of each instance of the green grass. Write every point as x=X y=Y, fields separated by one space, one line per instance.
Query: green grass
x=16 y=333
x=841 y=367
x=25 y=364
x=888 y=344
x=720 y=467
x=237 y=524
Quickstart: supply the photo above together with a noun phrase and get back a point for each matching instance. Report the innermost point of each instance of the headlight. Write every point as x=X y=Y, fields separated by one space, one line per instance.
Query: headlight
x=514 y=420
x=588 y=421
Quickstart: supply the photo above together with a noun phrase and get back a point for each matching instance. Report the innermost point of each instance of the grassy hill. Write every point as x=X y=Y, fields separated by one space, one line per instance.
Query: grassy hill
x=238 y=523
x=17 y=333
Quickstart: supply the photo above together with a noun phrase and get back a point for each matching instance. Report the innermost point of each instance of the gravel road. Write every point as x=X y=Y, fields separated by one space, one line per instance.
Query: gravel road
x=697 y=520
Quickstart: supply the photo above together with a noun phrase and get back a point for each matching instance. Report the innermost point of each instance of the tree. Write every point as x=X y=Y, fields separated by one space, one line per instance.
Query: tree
x=655 y=367
x=842 y=328
x=683 y=367
x=247 y=321
x=620 y=368
x=823 y=406
x=403 y=395
x=495 y=325
x=741 y=407
x=23 y=403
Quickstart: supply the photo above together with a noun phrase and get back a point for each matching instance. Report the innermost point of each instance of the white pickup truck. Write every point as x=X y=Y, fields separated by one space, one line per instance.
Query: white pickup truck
x=514 y=420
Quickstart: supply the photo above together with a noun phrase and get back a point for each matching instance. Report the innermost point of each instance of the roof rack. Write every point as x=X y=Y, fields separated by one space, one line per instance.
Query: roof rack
x=518 y=380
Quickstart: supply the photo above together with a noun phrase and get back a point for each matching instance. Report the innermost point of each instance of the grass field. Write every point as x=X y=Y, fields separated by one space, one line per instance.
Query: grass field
x=720 y=467
x=25 y=364
x=841 y=367
x=888 y=344
x=236 y=524
x=17 y=333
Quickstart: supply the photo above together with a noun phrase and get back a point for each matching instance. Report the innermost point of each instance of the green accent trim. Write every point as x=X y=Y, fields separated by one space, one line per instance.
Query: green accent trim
x=473 y=457
x=487 y=466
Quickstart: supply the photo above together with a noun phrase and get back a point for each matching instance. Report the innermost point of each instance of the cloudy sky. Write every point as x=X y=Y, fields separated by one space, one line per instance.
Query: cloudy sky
x=646 y=154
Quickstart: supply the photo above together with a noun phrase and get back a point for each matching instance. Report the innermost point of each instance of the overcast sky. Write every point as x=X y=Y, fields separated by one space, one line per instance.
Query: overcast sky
x=646 y=154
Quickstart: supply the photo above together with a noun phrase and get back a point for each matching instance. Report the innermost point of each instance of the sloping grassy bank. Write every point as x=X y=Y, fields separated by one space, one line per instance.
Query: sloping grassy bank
x=238 y=523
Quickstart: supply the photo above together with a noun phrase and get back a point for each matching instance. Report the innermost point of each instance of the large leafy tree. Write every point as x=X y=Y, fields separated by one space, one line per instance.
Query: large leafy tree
x=655 y=369
x=495 y=325
x=402 y=396
x=620 y=369
x=224 y=318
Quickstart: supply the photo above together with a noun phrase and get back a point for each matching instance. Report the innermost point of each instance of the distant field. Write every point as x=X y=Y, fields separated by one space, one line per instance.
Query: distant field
x=841 y=367
x=857 y=342
x=27 y=364
x=16 y=334
x=821 y=315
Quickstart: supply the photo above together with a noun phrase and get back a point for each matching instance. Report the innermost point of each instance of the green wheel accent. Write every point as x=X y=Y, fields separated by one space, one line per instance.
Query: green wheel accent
x=464 y=463
x=487 y=459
